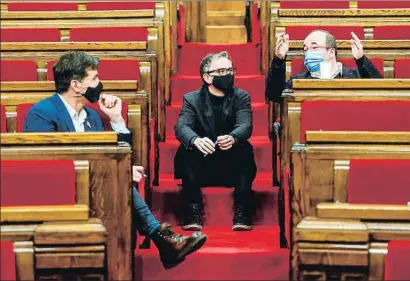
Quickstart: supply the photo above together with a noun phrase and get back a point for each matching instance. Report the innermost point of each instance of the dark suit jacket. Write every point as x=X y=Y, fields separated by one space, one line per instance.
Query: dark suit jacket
x=275 y=82
x=51 y=115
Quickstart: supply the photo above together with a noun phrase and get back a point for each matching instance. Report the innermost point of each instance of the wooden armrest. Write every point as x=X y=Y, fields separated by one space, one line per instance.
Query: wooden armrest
x=44 y=213
x=357 y=137
x=59 y=138
x=67 y=46
x=343 y=84
x=363 y=211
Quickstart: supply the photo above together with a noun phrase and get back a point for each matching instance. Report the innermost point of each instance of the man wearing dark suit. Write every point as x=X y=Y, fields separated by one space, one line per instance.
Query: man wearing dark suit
x=214 y=126
x=77 y=83
x=320 y=60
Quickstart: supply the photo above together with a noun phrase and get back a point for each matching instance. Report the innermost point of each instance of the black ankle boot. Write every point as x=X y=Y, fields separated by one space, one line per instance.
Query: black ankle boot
x=242 y=220
x=192 y=217
x=173 y=247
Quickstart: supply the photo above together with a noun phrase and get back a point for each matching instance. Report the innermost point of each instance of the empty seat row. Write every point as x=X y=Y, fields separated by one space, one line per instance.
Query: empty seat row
x=73 y=6
x=342 y=4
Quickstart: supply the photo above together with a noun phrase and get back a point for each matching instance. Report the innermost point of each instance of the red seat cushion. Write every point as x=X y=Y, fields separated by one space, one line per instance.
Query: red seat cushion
x=339 y=32
x=30 y=35
x=391 y=32
x=314 y=4
x=7 y=261
x=3 y=120
x=109 y=34
x=18 y=71
x=110 y=70
x=401 y=68
x=339 y=115
x=22 y=110
x=120 y=5
x=37 y=183
x=365 y=4
x=105 y=120
x=397 y=261
x=379 y=181
x=297 y=65
x=42 y=6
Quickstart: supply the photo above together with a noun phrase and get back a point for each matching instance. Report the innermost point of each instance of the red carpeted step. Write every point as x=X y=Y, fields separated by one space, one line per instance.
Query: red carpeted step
x=227 y=255
x=260 y=118
x=218 y=203
x=262 y=149
x=253 y=84
x=246 y=57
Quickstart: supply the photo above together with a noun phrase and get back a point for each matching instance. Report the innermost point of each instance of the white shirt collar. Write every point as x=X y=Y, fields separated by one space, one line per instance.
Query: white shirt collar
x=80 y=117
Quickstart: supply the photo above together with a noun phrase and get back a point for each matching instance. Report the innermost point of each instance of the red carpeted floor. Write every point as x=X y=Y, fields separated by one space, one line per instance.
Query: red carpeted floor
x=227 y=255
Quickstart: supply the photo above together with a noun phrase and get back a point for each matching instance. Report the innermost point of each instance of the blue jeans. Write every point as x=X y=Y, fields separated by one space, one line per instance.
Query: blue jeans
x=145 y=221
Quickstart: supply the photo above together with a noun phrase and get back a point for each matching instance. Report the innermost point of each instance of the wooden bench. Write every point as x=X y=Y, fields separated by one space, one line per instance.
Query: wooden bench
x=16 y=93
x=110 y=200
x=313 y=92
x=334 y=234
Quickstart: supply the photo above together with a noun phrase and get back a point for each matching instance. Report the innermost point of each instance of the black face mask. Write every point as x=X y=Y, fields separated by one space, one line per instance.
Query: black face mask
x=224 y=83
x=93 y=94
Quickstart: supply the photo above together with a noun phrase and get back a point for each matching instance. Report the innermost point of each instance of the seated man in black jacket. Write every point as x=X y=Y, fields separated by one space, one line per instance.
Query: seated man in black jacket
x=320 y=50
x=214 y=126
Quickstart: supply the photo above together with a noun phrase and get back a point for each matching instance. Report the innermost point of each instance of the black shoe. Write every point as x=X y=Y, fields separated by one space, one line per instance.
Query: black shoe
x=193 y=218
x=173 y=247
x=242 y=220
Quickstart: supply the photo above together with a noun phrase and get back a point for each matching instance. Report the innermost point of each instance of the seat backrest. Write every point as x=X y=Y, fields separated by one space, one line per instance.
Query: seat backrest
x=401 y=68
x=37 y=183
x=366 y=4
x=42 y=6
x=379 y=181
x=3 y=119
x=396 y=265
x=30 y=35
x=7 y=261
x=22 y=110
x=18 y=71
x=101 y=34
x=339 y=32
x=337 y=115
x=110 y=70
x=297 y=65
x=394 y=32
x=290 y=4
x=119 y=5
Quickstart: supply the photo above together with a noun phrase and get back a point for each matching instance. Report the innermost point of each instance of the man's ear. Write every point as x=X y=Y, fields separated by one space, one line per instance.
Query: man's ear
x=75 y=85
x=207 y=78
x=333 y=52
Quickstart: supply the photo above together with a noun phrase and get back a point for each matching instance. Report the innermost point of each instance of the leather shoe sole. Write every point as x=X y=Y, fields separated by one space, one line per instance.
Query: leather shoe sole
x=192 y=227
x=241 y=227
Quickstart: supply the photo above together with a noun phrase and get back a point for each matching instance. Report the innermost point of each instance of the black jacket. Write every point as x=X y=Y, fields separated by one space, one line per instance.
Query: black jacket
x=275 y=82
x=197 y=117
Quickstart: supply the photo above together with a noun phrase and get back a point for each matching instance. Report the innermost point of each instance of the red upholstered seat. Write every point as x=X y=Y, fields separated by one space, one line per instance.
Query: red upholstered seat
x=7 y=261
x=105 y=119
x=297 y=65
x=101 y=34
x=42 y=6
x=110 y=70
x=401 y=68
x=379 y=181
x=314 y=4
x=22 y=110
x=365 y=4
x=37 y=183
x=391 y=32
x=18 y=71
x=3 y=119
x=372 y=116
x=120 y=5
x=339 y=32
x=30 y=35
x=256 y=24
x=397 y=261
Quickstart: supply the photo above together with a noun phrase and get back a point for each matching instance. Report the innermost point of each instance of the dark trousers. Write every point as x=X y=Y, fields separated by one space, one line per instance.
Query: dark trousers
x=232 y=168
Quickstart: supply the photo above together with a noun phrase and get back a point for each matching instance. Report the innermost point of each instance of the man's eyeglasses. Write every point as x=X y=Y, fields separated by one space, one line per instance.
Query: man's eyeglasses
x=223 y=71
x=314 y=48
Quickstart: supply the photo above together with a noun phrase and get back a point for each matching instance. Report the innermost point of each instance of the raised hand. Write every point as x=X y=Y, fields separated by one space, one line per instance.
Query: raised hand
x=282 y=45
x=357 y=47
x=111 y=106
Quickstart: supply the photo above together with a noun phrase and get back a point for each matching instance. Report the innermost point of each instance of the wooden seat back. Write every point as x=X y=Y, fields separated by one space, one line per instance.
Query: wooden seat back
x=110 y=201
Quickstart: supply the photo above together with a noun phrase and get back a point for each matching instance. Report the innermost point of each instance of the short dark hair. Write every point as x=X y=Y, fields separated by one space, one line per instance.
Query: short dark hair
x=330 y=40
x=72 y=66
x=205 y=65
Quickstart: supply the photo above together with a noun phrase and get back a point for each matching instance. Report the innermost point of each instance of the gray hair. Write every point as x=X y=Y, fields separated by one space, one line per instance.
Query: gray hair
x=206 y=62
x=330 y=40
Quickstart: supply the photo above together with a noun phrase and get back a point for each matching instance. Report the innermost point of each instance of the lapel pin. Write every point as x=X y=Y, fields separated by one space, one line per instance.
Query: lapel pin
x=88 y=124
